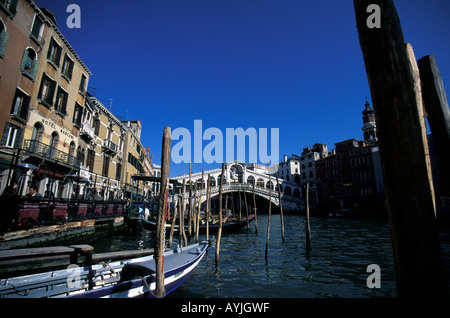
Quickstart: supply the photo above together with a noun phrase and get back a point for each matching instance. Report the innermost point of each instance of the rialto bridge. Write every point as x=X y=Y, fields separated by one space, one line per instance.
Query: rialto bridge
x=241 y=178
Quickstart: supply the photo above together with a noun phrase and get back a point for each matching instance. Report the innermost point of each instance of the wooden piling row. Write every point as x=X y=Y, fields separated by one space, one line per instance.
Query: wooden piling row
x=396 y=98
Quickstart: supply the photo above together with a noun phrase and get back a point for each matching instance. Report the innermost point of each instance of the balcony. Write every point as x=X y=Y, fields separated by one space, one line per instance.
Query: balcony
x=47 y=152
x=109 y=147
x=87 y=132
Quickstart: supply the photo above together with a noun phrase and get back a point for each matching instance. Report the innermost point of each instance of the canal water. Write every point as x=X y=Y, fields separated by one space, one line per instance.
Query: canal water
x=336 y=266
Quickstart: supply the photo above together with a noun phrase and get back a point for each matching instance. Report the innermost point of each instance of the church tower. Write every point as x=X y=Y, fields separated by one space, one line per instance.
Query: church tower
x=370 y=127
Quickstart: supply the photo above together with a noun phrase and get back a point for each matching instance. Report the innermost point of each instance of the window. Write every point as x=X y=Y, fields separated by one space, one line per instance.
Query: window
x=67 y=68
x=77 y=115
x=47 y=91
x=105 y=166
x=61 y=102
x=82 y=88
x=4 y=36
x=90 y=159
x=38 y=132
x=20 y=105
x=11 y=136
x=118 y=170
x=30 y=64
x=54 y=53
x=36 y=31
x=9 y=6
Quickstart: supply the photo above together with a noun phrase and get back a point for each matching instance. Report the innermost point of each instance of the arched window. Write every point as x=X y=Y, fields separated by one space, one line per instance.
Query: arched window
x=38 y=132
x=30 y=63
x=287 y=190
x=260 y=183
x=4 y=36
x=251 y=180
x=54 y=140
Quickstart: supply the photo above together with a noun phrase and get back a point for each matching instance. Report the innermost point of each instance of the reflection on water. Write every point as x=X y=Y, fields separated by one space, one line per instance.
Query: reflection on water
x=335 y=267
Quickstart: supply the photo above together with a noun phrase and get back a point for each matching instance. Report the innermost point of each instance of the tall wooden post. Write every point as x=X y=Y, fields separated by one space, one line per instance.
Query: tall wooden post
x=208 y=207
x=219 y=233
x=254 y=207
x=194 y=213
x=308 y=228
x=162 y=210
x=402 y=143
x=246 y=207
x=198 y=208
x=190 y=205
x=270 y=214
x=183 y=206
x=438 y=113
x=281 y=210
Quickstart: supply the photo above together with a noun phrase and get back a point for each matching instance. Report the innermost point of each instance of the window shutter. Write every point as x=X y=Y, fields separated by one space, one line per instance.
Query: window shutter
x=5 y=133
x=50 y=49
x=18 y=140
x=34 y=69
x=70 y=69
x=4 y=36
x=24 y=108
x=24 y=60
x=58 y=55
x=13 y=6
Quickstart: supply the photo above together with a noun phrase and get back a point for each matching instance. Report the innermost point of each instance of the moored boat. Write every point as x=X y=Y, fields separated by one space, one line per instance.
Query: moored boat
x=121 y=279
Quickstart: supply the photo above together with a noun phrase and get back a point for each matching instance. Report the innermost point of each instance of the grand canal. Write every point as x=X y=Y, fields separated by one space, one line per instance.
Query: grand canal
x=335 y=267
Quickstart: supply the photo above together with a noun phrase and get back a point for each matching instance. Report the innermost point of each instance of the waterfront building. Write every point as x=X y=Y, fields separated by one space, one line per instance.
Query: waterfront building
x=289 y=169
x=55 y=135
x=104 y=155
x=43 y=112
x=136 y=159
x=351 y=176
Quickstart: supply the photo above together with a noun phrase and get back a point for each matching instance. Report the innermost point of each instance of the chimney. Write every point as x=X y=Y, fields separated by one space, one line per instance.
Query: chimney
x=148 y=151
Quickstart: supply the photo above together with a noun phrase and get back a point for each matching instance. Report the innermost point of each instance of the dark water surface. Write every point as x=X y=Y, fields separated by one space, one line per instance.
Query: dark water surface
x=335 y=267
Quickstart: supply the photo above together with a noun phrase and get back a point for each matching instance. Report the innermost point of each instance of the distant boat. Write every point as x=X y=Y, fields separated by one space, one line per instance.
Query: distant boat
x=122 y=279
x=228 y=225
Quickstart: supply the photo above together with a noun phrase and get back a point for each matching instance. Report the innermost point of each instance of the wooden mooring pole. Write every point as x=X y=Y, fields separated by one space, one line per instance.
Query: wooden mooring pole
x=308 y=228
x=438 y=113
x=254 y=209
x=219 y=232
x=403 y=146
x=208 y=207
x=270 y=214
x=182 y=209
x=162 y=211
x=190 y=205
x=281 y=209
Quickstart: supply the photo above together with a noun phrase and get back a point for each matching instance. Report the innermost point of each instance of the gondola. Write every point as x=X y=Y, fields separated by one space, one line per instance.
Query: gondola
x=228 y=225
x=131 y=278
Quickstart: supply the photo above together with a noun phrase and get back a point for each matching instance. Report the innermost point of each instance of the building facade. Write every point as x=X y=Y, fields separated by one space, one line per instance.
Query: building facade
x=55 y=135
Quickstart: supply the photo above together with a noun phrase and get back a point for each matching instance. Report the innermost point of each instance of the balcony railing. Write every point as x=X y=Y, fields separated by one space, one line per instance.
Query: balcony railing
x=109 y=146
x=87 y=130
x=45 y=151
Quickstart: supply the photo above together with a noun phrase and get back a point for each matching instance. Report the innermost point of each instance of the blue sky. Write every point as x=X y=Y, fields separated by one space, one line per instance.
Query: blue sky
x=295 y=65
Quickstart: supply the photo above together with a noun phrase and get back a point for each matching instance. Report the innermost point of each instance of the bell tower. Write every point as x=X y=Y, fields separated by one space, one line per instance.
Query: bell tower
x=370 y=127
